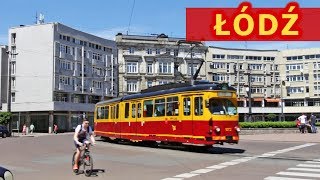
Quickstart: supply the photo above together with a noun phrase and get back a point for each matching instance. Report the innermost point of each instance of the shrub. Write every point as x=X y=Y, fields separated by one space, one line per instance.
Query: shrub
x=264 y=124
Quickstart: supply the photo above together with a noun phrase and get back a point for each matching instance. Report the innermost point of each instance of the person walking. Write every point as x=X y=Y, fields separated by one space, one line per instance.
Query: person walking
x=31 y=128
x=55 y=128
x=24 y=130
x=313 y=123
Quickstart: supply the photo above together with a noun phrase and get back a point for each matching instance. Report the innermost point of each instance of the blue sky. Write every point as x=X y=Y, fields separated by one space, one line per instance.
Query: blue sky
x=105 y=18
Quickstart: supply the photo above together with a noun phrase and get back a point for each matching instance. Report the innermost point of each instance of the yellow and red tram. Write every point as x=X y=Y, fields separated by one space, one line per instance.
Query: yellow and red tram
x=198 y=114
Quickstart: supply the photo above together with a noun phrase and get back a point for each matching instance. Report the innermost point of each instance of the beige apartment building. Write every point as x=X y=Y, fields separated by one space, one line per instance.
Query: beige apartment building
x=284 y=83
x=146 y=61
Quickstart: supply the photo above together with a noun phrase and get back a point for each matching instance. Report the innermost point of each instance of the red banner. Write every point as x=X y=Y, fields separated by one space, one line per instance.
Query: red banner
x=245 y=23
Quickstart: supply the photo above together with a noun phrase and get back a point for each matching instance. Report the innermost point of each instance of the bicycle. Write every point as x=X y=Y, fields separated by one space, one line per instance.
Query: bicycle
x=85 y=160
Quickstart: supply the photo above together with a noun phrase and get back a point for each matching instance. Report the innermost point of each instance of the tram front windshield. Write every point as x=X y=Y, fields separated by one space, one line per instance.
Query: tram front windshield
x=222 y=107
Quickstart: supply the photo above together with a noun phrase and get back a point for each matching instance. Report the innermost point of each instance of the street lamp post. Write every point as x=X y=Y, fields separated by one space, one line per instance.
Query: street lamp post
x=248 y=89
x=283 y=83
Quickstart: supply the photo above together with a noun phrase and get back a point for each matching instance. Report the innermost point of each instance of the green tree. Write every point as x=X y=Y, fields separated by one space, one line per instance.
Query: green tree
x=271 y=117
x=5 y=117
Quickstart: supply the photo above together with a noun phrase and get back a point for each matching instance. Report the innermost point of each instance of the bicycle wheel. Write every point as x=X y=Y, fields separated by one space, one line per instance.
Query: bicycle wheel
x=74 y=154
x=87 y=165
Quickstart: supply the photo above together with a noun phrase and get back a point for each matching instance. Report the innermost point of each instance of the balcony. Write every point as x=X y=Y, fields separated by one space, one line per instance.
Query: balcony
x=76 y=73
x=97 y=62
x=61 y=87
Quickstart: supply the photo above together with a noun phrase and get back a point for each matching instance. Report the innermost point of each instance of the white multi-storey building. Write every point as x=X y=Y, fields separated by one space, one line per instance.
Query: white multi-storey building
x=59 y=74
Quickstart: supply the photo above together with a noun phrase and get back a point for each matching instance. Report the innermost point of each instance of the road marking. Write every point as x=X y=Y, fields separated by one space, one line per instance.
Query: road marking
x=238 y=161
x=299 y=174
x=309 y=165
x=202 y=171
x=283 y=178
x=186 y=175
x=301 y=170
x=313 y=162
x=304 y=169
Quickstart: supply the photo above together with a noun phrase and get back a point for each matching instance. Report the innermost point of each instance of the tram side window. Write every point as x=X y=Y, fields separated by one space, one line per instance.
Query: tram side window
x=117 y=111
x=126 y=110
x=106 y=112
x=159 y=109
x=172 y=106
x=112 y=112
x=186 y=106
x=139 y=110
x=99 y=113
x=133 y=110
x=147 y=108
x=198 y=106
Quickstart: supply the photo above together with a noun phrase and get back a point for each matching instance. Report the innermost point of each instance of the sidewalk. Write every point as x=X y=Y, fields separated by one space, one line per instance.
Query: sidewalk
x=40 y=134
x=290 y=137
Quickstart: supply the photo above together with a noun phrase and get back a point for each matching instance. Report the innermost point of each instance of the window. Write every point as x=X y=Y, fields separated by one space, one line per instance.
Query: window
x=139 y=110
x=159 y=107
x=132 y=86
x=222 y=106
x=147 y=108
x=131 y=50
x=150 y=68
x=176 y=52
x=13 y=38
x=13 y=80
x=218 y=56
x=157 y=51
x=99 y=113
x=14 y=53
x=149 y=51
x=172 y=106
x=117 y=111
x=193 y=70
x=149 y=83
x=13 y=67
x=126 y=110
x=133 y=110
x=13 y=97
x=186 y=106
x=198 y=106
x=165 y=67
x=132 y=67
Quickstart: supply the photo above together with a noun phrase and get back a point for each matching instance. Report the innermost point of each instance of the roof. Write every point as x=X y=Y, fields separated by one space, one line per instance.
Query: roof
x=170 y=89
x=239 y=49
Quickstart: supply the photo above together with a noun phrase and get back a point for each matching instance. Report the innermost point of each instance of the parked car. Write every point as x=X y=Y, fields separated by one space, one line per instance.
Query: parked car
x=4 y=131
x=5 y=174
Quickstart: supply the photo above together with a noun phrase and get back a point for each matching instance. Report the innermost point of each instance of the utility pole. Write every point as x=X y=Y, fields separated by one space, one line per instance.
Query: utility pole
x=10 y=55
x=249 y=94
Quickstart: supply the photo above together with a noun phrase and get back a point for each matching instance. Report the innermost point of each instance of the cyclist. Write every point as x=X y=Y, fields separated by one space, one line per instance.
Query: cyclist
x=81 y=137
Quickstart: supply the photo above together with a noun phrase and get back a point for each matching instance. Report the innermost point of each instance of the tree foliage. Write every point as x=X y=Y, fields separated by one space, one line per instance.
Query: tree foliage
x=5 y=117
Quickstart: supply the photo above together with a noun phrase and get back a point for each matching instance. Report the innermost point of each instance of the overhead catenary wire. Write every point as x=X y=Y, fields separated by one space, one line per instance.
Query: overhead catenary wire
x=134 y=1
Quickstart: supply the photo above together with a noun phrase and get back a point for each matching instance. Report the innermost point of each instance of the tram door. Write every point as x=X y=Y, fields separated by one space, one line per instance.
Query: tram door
x=133 y=119
x=187 y=116
x=116 y=120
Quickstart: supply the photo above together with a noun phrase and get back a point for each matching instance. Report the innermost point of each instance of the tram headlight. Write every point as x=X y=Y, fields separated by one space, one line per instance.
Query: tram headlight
x=237 y=129
x=217 y=129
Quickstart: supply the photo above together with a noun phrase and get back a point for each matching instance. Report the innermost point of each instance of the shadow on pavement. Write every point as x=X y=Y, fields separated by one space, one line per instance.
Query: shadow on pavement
x=179 y=147
x=94 y=172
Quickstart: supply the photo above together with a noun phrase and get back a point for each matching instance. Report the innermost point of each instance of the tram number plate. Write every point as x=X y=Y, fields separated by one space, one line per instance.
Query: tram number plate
x=229 y=138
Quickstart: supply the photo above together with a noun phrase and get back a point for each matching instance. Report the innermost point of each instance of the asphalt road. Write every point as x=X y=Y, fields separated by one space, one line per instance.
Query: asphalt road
x=49 y=157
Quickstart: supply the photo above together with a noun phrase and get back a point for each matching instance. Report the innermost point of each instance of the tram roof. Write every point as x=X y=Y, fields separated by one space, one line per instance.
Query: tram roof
x=170 y=89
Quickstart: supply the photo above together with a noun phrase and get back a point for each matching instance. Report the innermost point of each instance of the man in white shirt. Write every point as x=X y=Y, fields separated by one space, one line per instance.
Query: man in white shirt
x=303 y=120
x=81 y=136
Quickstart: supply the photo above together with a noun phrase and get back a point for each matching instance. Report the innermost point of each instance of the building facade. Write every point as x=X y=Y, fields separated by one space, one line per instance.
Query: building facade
x=4 y=73
x=237 y=66
x=285 y=83
x=59 y=74
x=146 y=61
